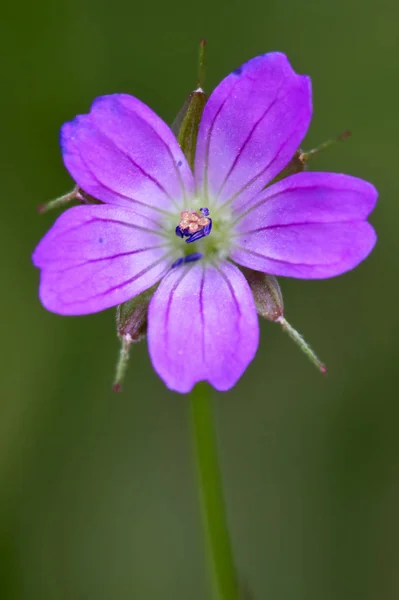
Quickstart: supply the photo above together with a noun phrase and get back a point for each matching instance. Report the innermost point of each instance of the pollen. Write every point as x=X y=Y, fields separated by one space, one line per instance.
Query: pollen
x=194 y=225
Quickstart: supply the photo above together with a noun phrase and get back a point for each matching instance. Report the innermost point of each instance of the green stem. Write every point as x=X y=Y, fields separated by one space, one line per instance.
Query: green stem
x=325 y=145
x=123 y=361
x=304 y=346
x=211 y=492
x=201 y=66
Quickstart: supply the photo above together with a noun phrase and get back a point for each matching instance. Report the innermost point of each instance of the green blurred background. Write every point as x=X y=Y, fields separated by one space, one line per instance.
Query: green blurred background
x=98 y=496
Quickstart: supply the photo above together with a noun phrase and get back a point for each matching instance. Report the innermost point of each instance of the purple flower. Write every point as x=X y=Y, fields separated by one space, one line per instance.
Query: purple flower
x=202 y=321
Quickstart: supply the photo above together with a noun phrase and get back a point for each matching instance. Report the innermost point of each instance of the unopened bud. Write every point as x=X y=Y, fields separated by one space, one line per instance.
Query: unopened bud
x=131 y=318
x=267 y=294
x=131 y=325
x=185 y=126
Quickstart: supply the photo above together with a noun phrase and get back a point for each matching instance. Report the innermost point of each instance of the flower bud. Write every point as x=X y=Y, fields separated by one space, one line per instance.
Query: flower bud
x=267 y=294
x=185 y=126
x=131 y=325
x=131 y=317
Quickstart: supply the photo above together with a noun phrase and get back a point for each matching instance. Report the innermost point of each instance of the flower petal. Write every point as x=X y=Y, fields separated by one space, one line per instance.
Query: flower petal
x=202 y=325
x=252 y=125
x=95 y=257
x=123 y=153
x=310 y=225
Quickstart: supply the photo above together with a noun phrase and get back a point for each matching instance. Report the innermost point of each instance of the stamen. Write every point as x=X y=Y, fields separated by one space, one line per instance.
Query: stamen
x=177 y=262
x=195 y=236
x=193 y=257
x=187 y=259
x=193 y=225
x=208 y=227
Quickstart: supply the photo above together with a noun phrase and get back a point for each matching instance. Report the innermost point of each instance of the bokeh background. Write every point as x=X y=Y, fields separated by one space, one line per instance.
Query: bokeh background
x=98 y=495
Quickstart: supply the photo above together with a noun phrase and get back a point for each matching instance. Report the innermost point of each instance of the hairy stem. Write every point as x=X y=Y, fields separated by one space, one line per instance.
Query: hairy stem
x=217 y=536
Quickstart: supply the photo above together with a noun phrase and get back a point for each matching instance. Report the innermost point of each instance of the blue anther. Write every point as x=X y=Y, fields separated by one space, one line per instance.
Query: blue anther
x=179 y=232
x=193 y=257
x=195 y=236
x=208 y=228
x=200 y=234
x=205 y=211
x=177 y=262
x=187 y=259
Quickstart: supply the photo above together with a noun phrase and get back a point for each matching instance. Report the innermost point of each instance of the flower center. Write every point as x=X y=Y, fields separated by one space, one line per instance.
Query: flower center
x=194 y=228
x=193 y=225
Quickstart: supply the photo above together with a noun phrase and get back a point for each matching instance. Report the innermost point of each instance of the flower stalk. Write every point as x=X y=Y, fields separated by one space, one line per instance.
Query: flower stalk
x=59 y=202
x=304 y=346
x=224 y=577
x=305 y=155
x=123 y=362
x=77 y=194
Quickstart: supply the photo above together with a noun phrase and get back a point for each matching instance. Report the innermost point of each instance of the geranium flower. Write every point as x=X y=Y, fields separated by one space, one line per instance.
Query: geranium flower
x=159 y=222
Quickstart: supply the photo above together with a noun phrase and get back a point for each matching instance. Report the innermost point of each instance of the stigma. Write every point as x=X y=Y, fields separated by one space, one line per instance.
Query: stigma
x=194 y=225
